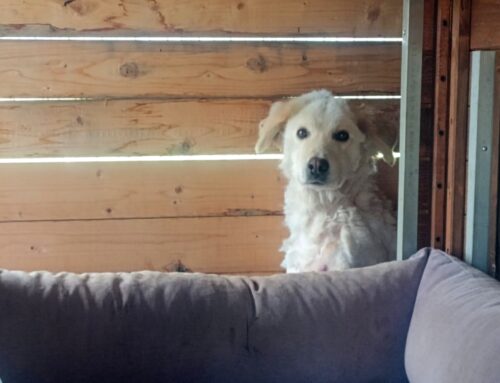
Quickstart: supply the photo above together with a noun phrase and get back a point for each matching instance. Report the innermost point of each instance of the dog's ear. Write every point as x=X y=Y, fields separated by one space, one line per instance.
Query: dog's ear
x=271 y=128
x=380 y=125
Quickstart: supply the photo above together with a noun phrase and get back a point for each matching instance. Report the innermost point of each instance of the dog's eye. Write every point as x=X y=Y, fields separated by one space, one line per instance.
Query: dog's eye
x=302 y=133
x=341 y=136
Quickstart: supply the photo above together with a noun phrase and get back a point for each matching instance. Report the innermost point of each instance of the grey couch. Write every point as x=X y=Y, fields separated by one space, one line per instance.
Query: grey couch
x=430 y=319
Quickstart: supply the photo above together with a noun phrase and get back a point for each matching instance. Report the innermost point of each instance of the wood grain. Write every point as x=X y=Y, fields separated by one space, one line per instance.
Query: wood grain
x=215 y=17
x=134 y=70
x=130 y=127
x=148 y=190
x=142 y=127
x=485 y=24
x=145 y=190
x=426 y=125
x=458 y=120
x=211 y=245
x=441 y=120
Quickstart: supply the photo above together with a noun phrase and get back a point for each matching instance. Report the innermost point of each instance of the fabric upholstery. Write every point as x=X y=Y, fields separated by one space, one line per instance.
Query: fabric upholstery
x=154 y=327
x=454 y=335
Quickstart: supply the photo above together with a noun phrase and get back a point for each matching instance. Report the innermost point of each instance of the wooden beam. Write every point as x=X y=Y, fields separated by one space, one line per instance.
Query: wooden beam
x=358 y=18
x=147 y=127
x=426 y=124
x=459 y=95
x=485 y=24
x=441 y=119
x=93 y=191
x=157 y=70
x=34 y=192
x=209 y=245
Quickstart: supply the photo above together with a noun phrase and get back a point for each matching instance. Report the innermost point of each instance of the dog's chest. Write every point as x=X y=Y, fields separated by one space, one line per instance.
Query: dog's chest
x=313 y=236
x=336 y=236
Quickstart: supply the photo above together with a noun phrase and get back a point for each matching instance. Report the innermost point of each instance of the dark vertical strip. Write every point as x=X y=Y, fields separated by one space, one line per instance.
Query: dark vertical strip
x=457 y=144
x=441 y=118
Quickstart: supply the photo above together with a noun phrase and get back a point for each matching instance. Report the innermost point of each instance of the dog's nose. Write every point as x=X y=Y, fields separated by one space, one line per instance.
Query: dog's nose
x=318 y=167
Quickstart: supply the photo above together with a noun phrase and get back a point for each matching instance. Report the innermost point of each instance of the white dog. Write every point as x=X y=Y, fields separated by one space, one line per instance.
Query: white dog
x=333 y=209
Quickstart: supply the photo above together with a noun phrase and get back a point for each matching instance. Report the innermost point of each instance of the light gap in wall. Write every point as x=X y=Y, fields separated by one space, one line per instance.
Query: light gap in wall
x=177 y=158
x=203 y=39
x=79 y=99
x=181 y=158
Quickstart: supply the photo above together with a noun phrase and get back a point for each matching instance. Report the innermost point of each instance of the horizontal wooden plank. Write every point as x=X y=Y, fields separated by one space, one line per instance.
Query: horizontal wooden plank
x=125 y=70
x=278 y=17
x=142 y=127
x=130 y=127
x=211 y=245
x=148 y=190
x=485 y=24
x=145 y=190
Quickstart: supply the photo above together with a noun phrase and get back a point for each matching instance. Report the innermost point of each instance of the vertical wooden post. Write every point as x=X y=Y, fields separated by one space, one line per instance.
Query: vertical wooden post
x=411 y=85
x=441 y=116
x=427 y=124
x=479 y=170
x=457 y=142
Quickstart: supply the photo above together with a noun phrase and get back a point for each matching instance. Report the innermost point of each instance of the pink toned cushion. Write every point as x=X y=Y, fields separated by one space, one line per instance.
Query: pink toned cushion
x=345 y=327
x=454 y=335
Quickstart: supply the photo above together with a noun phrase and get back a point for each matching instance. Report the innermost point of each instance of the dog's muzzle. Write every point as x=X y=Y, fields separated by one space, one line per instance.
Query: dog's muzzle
x=317 y=171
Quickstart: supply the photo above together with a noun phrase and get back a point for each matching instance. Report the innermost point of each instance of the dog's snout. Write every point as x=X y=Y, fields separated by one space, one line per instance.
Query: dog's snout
x=318 y=167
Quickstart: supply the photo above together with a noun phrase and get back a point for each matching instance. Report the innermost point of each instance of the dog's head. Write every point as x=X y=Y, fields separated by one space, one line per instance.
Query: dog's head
x=324 y=140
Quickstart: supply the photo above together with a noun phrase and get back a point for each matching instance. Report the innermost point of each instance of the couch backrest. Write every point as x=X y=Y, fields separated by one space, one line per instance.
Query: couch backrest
x=152 y=327
x=455 y=329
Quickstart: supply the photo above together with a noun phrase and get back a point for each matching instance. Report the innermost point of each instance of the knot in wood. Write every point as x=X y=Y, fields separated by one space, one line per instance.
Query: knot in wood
x=257 y=64
x=129 y=70
x=373 y=13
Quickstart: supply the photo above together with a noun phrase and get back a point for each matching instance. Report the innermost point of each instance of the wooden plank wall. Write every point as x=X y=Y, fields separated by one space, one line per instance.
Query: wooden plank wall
x=355 y=18
x=158 y=98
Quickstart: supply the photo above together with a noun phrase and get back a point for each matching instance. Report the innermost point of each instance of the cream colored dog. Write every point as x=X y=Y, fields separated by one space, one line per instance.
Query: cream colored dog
x=333 y=209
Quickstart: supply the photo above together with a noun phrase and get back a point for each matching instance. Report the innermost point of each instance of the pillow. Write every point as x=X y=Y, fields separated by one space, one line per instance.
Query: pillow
x=345 y=327
x=455 y=329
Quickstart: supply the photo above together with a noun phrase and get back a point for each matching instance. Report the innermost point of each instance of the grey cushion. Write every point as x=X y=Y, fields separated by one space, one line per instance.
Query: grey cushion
x=455 y=330
x=152 y=327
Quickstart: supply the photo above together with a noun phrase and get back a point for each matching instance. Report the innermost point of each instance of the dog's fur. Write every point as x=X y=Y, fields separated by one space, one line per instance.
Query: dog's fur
x=342 y=221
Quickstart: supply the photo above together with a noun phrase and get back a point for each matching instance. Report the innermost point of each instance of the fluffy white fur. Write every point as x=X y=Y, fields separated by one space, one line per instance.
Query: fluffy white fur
x=344 y=222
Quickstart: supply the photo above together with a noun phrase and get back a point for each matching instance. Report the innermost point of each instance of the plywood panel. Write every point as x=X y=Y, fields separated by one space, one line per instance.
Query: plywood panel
x=142 y=127
x=212 y=245
x=148 y=190
x=277 y=17
x=485 y=24
x=69 y=69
